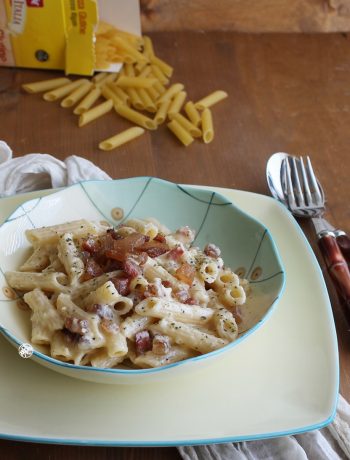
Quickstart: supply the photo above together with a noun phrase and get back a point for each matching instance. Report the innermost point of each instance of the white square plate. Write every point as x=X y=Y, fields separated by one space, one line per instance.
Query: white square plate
x=283 y=380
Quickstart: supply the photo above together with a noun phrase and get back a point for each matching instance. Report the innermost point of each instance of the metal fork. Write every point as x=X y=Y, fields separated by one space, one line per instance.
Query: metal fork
x=305 y=198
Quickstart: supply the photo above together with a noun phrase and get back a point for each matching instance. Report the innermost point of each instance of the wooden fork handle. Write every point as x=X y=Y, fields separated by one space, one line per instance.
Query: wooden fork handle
x=338 y=269
x=344 y=243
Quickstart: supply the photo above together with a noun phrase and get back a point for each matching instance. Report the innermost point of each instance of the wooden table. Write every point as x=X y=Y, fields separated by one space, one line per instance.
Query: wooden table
x=287 y=93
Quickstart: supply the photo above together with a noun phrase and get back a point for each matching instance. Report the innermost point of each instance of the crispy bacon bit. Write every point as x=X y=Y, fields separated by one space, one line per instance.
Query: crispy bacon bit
x=122 y=285
x=160 y=237
x=211 y=250
x=190 y=301
x=154 y=248
x=182 y=296
x=125 y=246
x=76 y=325
x=103 y=311
x=91 y=245
x=166 y=284
x=143 y=342
x=111 y=265
x=186 y=273
x=109 y=326
x=161 y=344
x=92 y=270
x=175 y=253
x=114 y=234
x=156 y=289
x=237 y=314
x=131 y=268
x=85 y=255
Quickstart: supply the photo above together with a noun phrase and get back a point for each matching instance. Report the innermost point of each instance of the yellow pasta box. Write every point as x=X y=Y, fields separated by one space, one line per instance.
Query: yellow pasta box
x=71 y=35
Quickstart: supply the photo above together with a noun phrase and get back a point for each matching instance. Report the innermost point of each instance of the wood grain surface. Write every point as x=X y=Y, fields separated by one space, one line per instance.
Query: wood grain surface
x=286 y=93
x=247 y=15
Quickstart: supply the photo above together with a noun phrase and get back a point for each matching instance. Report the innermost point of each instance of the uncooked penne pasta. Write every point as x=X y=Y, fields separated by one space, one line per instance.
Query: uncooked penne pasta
x=180 y=132
x=146 y=100
x=128 y=49
x=192 y=113
x=63 y=90
x=176 y=104
x=159 y=87
x=121 y=138
x=100 y=76
x=211 y=99
x=161 y=115
x=159 y=74
x=95 y=113
x=45 y=85
x=135 y=99
x=164 y=67
x=76 y=95
x=207 y=126
x=135 y=82
x=145 y=71
x=120 y=93
x=170 y=92
x=109 y=94
x=185 y=123
x=153 y=93
x=148 y=47
x=111 y=77
x=88 y=101
x=135 y=117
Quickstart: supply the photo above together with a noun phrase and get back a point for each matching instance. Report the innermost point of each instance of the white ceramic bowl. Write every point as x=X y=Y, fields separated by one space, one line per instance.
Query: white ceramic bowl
x=245 y=243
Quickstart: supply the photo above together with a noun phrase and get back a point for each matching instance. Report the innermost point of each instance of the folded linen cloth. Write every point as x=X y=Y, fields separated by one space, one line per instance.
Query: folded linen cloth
x=39 y=171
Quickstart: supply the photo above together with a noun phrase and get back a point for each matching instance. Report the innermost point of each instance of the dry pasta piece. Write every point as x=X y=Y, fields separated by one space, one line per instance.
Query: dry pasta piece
x=111 y=95
x=159 y=74
x=148 y=47
x=146 y=100
x=128 y=49
x=96 y=112
x=76 y=95
x=135 y=82
x=99 y=76
x=177 y=103
x=135 y=99
x=170 y=92
x=211 y=99
x=192 y=113
x=145 y=71
x=88 y=101
x=164 y=67
x=153 y=93
x=63 y=90
x=121 y=138
x=135 y=117
x=180 y=132
x=45 y=85
x=185 y=123
x=207 y=126
x=159 y=87
x=120 y=93
x=160 y=116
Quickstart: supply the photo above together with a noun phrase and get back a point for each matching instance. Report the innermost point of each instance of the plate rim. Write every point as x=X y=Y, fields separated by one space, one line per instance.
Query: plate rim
x=115 y=443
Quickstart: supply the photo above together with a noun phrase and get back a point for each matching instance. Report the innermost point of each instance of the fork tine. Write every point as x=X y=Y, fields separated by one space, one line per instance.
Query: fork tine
x=305 y=183
x=298 y=190
x=315 y=191
x=289 y=185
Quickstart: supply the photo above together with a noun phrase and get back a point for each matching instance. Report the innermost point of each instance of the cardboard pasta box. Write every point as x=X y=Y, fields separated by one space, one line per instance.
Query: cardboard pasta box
x=77 y=36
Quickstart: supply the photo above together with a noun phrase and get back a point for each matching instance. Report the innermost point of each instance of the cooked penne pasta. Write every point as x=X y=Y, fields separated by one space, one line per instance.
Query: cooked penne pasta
x=142 y=226
x=211 y=99
x=27 y=281
x=88 y=101
x=225 y=324
x=135 y=117
x=121 y=138
x=180 y=132
x=62 y=91
x=96 y=112
x=135 y=323
x=69 y=256
x=38 y=261
x=192 y=113
x=45 y=85
x=232 y=296
x=186 y=124
x=176 y=104
x=76 y=95
x=207 y=126
x=151 y=359
x=101 y=359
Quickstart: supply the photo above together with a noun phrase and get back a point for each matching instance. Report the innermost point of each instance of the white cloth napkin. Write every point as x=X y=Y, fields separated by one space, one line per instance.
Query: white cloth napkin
x=38 y=171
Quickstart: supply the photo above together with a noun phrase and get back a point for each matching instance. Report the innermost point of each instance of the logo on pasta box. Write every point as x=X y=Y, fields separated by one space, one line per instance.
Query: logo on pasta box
x=35 y=3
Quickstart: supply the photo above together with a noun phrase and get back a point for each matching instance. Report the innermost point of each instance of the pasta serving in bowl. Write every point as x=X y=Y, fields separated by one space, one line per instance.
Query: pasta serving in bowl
x=128 y=299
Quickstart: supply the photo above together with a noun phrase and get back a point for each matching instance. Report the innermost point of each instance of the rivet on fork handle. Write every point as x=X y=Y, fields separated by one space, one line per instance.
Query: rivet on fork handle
x=338 y=269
